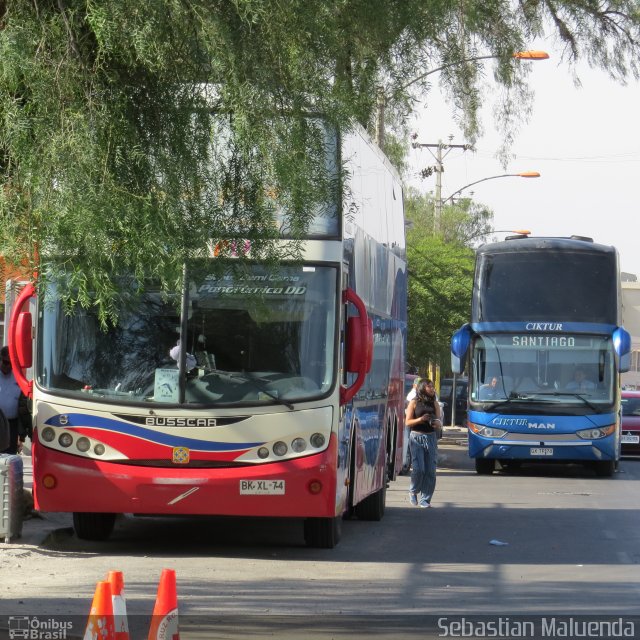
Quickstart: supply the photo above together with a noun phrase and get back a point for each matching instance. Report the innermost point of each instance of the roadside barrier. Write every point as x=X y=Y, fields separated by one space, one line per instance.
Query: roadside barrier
x=108 y=615
x=164 y=623
x=100 y=621
x=120 y=623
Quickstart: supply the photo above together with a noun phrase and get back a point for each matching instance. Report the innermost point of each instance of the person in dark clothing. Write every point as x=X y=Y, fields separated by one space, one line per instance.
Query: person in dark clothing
x=423 y=417
x=9 y=398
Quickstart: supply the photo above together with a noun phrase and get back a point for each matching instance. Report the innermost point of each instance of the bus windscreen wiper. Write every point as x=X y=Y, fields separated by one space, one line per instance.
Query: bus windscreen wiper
x=569 y=393
x=258 y=383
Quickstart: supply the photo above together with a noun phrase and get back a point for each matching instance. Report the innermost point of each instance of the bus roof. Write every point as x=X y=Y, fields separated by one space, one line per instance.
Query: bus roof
x=528 y=243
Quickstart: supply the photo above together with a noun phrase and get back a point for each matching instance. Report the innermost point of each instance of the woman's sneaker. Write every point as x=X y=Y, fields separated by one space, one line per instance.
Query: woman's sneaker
x=413 y=499
x=424 y=504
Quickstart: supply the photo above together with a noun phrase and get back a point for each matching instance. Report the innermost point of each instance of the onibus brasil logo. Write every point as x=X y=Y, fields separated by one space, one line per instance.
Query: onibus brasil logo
x=38 y=628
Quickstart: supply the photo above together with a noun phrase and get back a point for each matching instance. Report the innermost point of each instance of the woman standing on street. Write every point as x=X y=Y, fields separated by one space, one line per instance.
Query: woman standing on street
x=423 y=417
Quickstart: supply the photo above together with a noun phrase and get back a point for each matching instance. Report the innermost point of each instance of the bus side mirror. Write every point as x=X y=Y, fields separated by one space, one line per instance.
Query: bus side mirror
x=354 y=345
x=459 y=346
x=24 y=339
x=622 y=347
x=358 y=345
x=21 y=339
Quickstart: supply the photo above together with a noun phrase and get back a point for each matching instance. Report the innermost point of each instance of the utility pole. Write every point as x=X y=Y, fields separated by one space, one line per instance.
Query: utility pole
x=438 y=203
x=380 y=105
x=439 y=169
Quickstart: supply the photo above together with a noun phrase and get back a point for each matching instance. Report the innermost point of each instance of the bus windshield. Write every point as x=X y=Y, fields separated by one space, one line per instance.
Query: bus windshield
x=254 y=337
x=573 y=370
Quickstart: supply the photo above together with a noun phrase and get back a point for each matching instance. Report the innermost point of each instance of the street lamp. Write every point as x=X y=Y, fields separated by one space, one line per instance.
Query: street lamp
x=523 y=174
x=382 y=97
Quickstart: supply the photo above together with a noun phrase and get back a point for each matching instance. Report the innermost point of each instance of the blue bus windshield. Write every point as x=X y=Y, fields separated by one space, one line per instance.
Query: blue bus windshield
x=569 y=370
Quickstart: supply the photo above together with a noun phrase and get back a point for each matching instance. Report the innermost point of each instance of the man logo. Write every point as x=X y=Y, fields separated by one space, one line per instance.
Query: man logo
x=180 y=455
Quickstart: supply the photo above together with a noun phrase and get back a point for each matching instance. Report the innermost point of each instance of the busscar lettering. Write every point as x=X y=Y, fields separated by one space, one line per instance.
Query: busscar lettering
x=159 y=421
x=543 y=341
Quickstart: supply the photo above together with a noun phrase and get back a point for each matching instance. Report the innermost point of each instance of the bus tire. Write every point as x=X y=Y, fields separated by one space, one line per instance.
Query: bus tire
x=93 y=526
x=485 y=466
x=351 y=491
x=391 y=452
x=605 y=468
x=322 y=533
x=372 y=507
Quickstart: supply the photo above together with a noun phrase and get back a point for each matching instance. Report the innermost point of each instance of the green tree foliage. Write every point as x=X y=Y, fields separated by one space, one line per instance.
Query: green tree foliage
x=110 y=158
x=440 y=279
x=440 y=274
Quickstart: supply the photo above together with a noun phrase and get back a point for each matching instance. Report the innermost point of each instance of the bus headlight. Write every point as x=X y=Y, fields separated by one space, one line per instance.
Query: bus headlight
x=65 y=439
x=48 y=434
x=596 y=433
x=83 y=444
x=280 y=448
x=298 y=445
x=487 y=432
x=317 y=440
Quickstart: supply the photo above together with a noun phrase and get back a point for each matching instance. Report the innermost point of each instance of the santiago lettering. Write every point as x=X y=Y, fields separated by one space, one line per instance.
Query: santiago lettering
x=543 y=341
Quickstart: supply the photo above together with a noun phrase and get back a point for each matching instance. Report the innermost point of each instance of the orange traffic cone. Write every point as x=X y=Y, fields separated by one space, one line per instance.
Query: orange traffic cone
x=100 y=621
x=164 y=623
x=116 y=580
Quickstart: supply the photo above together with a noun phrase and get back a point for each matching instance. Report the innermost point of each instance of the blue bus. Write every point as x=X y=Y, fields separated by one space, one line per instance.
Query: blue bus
x=545 y=348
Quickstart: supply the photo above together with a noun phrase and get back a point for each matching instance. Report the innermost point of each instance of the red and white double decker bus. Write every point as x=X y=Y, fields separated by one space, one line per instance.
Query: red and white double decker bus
x=287 y=400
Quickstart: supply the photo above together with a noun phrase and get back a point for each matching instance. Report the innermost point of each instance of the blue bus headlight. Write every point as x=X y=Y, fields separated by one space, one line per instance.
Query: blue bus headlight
x=596 y=433
x=487 y=432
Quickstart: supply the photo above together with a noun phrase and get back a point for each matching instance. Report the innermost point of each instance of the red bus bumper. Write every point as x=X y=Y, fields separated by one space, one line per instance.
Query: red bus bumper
x=67 y=483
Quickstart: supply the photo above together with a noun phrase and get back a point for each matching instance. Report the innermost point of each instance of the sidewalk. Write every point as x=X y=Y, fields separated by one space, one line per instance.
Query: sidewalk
x=453 y=452
x=454 y=435
x=36 y=526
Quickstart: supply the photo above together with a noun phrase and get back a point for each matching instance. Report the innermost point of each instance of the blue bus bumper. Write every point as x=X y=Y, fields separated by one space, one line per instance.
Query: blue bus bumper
x=560 y=450
x=550 y=438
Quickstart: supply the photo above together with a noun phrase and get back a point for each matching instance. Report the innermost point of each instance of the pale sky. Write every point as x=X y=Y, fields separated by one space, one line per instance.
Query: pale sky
x=585 y=143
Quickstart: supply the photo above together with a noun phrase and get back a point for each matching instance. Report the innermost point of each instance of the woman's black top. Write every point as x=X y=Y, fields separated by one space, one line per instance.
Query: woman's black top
x=424 y=406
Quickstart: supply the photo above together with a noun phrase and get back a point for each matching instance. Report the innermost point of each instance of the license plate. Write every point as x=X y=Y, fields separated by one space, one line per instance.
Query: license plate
x=261 y=487
x=536 y=451
x=627 y=438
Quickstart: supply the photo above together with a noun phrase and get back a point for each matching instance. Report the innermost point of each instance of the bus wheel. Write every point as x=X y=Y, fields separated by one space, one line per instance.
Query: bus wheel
x=391 y=455
x=605 y=468
x=322 y=533
x=485 y=466
x=372 y=507
x=93 y=526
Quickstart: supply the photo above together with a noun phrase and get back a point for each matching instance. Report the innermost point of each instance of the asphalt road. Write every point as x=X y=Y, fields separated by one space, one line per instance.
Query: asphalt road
x=545 y=541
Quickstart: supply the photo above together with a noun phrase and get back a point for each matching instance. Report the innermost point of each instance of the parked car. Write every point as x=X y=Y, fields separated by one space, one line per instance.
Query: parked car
x=446 y=387
x=630 y=439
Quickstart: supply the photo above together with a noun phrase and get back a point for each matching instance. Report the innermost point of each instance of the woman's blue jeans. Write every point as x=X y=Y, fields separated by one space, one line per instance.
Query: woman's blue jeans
x=424 y=457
